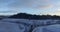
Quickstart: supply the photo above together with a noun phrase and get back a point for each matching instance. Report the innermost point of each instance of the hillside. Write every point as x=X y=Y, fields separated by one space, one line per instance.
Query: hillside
x=29 y=16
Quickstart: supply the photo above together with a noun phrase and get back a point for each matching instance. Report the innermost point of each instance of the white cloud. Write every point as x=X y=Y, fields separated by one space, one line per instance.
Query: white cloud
x=56 y=12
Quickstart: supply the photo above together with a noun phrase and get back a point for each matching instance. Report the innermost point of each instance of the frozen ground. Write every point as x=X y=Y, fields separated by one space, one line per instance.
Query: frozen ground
x=51 y=28
x=25 y=25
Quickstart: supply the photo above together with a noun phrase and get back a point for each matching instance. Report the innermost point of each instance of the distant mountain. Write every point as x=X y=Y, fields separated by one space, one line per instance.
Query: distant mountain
x=2 y=16
x=29 y=16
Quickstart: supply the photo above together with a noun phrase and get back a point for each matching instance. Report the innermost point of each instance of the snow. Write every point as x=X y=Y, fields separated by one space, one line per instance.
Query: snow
x=31 y=22
x=51 y=28
x=9 y=27
x=24 y=25
x=54 y=28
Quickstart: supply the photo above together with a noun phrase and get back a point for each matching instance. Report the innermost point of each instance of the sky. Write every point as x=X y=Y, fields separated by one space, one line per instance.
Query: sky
x=38 y=7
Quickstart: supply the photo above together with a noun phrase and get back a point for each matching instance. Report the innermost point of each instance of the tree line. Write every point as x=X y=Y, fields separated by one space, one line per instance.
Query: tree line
x=30 y=16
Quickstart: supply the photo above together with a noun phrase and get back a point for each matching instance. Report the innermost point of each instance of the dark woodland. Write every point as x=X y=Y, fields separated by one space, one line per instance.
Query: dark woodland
x=36 y=17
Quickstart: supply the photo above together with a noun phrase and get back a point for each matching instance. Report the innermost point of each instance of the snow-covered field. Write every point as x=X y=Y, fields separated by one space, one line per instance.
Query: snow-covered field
x=25 y=25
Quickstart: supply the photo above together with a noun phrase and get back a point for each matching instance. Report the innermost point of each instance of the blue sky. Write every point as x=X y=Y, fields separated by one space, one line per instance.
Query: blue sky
x=39 y=7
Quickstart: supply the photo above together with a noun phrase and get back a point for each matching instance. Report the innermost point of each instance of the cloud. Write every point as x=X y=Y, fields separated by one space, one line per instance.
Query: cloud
x=56 y=12
x=44 y=6
x=12 y=4
x=15 y=6
x=29 y=4
x=8 y=11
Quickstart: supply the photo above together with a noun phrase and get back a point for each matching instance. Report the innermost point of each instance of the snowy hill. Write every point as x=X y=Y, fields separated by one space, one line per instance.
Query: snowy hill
x=25 y=25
